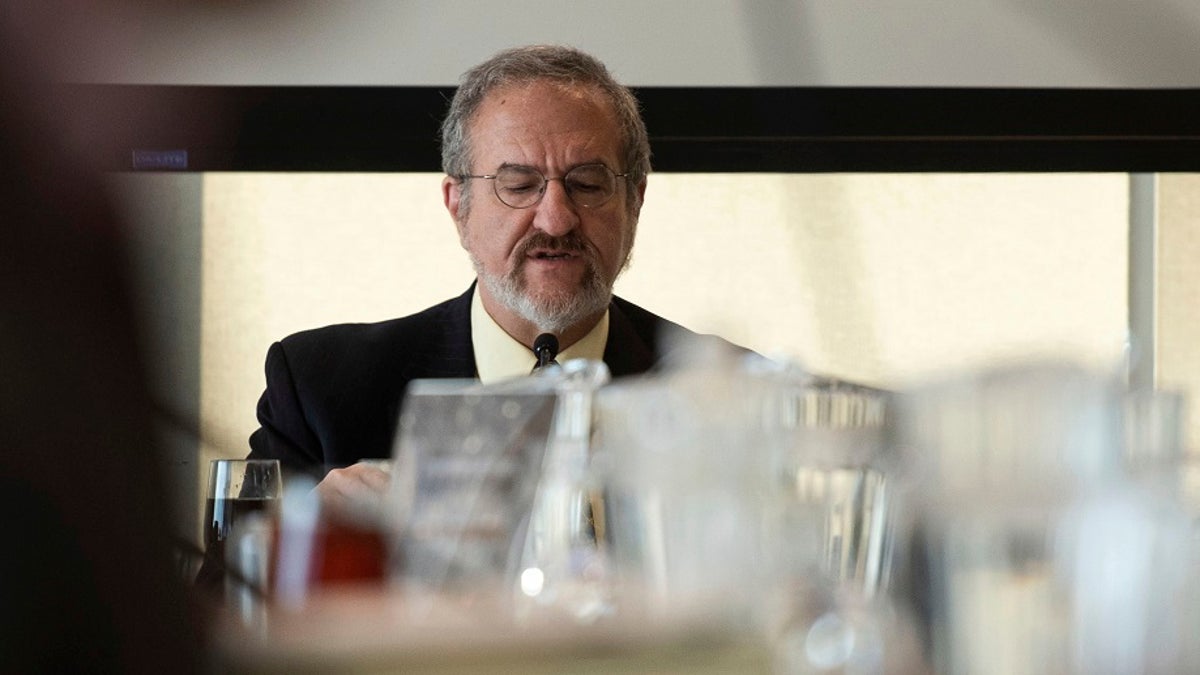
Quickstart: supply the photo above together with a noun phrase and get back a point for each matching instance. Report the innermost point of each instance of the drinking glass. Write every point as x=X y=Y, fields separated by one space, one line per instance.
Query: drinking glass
x=1044 y=554
x=833 y=451
x=236 y=489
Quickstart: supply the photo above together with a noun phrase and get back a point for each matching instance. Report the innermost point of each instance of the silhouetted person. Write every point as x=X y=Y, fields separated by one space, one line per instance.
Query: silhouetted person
x=86 y=582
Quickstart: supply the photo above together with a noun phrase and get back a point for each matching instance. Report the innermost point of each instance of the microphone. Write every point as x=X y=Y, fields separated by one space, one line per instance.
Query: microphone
x=545 y=348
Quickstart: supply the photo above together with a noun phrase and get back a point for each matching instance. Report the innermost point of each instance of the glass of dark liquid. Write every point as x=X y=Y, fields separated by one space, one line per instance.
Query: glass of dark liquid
x=237 y=488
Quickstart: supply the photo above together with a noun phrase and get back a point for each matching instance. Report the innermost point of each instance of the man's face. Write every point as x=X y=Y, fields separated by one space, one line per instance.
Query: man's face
x=552 y=264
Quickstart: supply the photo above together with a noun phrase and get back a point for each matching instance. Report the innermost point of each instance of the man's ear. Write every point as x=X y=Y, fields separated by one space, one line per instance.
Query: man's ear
x=452 y=198
x=640 y=191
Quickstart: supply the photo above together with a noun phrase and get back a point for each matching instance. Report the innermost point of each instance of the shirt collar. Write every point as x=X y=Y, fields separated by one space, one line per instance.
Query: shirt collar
x=499 y=356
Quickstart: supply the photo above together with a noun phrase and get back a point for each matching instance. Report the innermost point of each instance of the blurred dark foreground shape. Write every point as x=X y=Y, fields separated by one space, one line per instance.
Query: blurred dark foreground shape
x=86 y=583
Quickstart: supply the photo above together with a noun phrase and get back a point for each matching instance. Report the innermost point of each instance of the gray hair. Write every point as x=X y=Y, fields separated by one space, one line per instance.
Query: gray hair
x=524 y=65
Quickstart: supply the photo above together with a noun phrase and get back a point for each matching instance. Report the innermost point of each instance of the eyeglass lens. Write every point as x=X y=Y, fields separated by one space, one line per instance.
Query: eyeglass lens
x=588 y=185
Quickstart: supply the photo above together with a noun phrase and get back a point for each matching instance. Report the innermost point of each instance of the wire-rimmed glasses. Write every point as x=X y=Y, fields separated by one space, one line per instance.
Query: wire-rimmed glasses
x=520 y=187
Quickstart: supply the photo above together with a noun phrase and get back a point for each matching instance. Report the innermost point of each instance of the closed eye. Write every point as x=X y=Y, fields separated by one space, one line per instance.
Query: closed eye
x=585 y=186
x=523 y=188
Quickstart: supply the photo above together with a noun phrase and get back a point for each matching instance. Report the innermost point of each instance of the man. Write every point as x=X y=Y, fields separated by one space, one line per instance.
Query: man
x=546 y=158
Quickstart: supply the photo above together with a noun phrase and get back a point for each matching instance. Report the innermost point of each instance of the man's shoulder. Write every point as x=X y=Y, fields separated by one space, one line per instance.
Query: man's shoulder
x=643 y=320
x=425 y=325
x=655 y=328
x=666 y=339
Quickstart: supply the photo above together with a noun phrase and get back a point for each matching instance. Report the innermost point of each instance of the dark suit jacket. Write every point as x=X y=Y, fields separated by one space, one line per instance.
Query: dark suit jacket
x=333 y=394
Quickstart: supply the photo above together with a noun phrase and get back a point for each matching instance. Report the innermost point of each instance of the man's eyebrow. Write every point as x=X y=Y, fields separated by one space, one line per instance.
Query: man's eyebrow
x=526 y=167
x=590 y=162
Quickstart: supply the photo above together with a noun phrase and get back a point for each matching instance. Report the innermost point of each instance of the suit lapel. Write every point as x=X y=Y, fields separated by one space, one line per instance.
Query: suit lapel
x=452 y=354
x=627 y=352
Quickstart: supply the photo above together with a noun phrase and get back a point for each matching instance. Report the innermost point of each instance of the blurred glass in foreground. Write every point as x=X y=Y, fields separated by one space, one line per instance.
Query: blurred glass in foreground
x=468 y=466
x=1031 y=519
x=1045 y=551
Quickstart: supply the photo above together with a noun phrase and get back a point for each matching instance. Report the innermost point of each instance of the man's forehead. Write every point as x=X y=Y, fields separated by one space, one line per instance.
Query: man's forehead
x=543 y=112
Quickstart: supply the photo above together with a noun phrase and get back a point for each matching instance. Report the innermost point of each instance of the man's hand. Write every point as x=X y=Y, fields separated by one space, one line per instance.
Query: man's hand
x=356 y=488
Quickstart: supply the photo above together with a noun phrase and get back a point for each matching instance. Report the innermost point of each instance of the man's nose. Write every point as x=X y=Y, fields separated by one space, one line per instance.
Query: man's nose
x=556 y=214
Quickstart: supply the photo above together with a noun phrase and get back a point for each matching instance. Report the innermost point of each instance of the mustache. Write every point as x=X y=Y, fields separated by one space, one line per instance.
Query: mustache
x=570 y=242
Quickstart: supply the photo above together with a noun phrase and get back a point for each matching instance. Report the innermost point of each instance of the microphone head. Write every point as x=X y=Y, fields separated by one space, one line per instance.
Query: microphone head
x=546 y=343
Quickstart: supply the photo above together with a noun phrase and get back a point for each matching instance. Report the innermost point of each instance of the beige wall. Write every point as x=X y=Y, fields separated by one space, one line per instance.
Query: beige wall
x=1177 y=335
x=885 y=278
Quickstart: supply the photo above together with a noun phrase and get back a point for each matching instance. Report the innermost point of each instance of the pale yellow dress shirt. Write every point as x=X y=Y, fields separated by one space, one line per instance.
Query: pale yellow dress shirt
x=498 y=356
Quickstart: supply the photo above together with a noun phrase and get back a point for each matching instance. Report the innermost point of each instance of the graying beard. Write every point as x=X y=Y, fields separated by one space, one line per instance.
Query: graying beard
x=593 y=298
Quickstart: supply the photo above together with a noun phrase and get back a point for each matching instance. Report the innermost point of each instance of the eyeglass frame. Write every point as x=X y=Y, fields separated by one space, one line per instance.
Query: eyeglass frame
x=546 y=181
